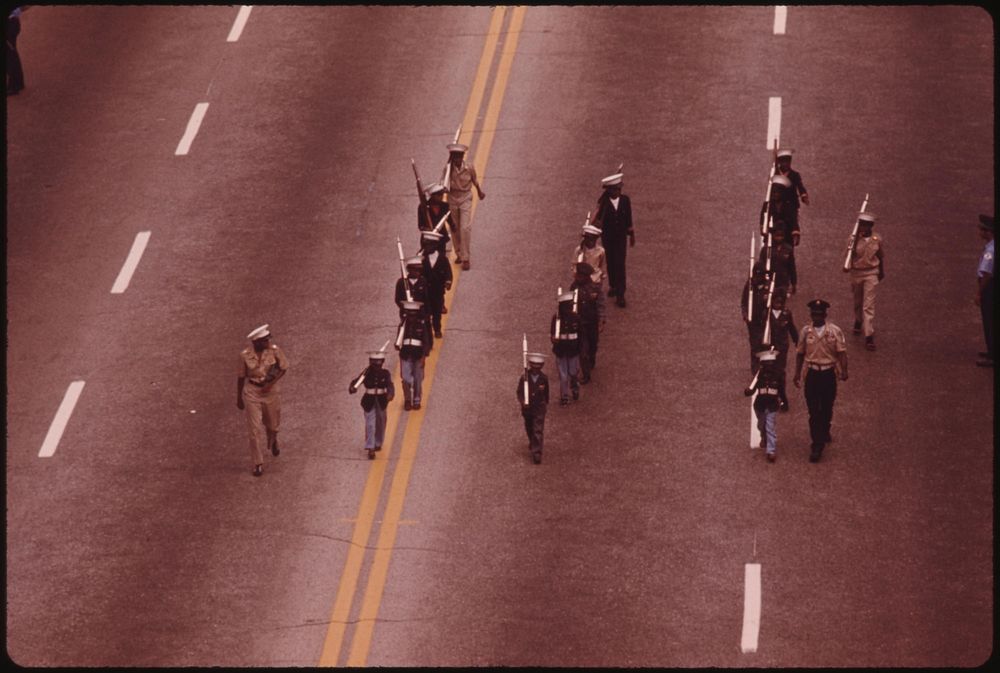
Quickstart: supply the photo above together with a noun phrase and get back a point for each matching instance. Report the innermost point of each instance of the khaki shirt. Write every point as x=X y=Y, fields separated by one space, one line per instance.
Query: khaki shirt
x=254 y=367
x=821 y=350
x=460 y=188
x=596 y=257
x=865 y=259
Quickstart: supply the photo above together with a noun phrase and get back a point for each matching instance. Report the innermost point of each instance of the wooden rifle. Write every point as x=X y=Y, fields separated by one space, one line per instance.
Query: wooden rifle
x=421 y=194
x=854 y=238
x=361 y=376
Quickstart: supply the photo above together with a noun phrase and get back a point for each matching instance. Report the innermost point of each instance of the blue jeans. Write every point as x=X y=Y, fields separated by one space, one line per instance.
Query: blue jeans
x=412 y=373
x=766 y=423
x=569 y=369
x=374 y=427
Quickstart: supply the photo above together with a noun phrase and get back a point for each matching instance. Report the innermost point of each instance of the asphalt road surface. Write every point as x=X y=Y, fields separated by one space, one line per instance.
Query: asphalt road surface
x=143 y=540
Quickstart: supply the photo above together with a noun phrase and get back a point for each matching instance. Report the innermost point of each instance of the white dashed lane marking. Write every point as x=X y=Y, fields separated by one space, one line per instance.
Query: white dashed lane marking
x=192 y=129
x=241 y=20
x=131 y=262
x=751 y=608
x=780 y=16
x=61 y=419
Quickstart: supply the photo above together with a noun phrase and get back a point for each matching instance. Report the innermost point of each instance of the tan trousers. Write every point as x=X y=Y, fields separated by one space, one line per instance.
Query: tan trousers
x=863 y=286
x=461 y=214
x=263 y=417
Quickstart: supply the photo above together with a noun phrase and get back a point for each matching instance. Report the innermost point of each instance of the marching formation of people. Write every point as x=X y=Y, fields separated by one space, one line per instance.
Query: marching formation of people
x=575 y=328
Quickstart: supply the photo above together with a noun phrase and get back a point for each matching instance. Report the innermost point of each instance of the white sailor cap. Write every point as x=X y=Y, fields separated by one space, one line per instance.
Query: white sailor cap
x=781 y=180
x=457 y=147
x=259 y=333
x=431 y=236
x=867 y=217
x=414 y=262
x=536 y=358
x=591 y=229
x=769 y=354
x=376 y=355
x=612 y=180
x=434 y=188
x=565 y=296
x=784 y=153
x=412 y=305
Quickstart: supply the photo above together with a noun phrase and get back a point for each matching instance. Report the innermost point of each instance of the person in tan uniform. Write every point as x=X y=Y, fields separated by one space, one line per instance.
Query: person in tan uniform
x=867 y=270
x=261 y=365
x=463 y=179
x=822 y=349
x=591 y=252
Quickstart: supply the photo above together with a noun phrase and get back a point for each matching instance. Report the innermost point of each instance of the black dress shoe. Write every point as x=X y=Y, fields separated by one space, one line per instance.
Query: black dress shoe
x=258 y=470
x=416 y=406
x=985 y=362
x=378 y=448
x=857 y=327
x=576 y=394
x=371 y=454
x=620 y=301
x=563 y=401
x=274 y=448
x=771 y=457
x=612 y=292
x=536 y=458
x=437 y=333
x=585 y=379
x=406 y=405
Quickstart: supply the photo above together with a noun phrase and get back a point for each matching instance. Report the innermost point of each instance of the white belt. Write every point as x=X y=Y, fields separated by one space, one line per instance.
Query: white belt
x=767 y=391
x=412 y=342
x=567 y=337
x=820 y=368
x=375 y=391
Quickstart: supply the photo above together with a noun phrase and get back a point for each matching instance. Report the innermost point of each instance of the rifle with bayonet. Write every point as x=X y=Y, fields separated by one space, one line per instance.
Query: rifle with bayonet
x=854 y=238
x=524 y=357
x=558 y=320
x=421 y=194
x=437 y=229
x=765 y=216
x=750 y=280
x=406 y=287
x=766 y=341
x=361 y=376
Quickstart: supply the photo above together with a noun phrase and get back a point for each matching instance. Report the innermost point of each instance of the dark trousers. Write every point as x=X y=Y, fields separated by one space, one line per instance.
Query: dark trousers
x=588 y=347
x=821 y=391
x=15 y=75
x=986 y=308
x=781 y=364
x=615 y=248
x=434 y=304
x=534 y=426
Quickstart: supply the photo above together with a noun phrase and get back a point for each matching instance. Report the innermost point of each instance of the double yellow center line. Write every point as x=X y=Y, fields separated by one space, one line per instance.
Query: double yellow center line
x=362 y=637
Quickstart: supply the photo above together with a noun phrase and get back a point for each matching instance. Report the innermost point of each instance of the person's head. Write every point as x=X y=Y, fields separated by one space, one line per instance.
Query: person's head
x=565 y=303
x=987 y=228
x=784 y=160
x=817 y=311
x=767 y=358
x=260 y=338
x=865 y=223
x=431 y=241
x=535 y=362
x=778 y=299
x=590 y=234
x=376 y=359
x=435 y=192
x=613 y=184
x=456 y=153
x=583 y=272
x=758 y=273
x=414 y=266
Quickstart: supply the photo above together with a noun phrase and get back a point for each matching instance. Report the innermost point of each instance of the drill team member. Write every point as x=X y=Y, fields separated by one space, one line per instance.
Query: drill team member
x=823 y=351
x=262 y=365
x=614 y=218
x=533 y=409
x=867 y=271
x=591 y=252
x=437 y=272
x=418 y=291
x=565 y=335
x=413 y=348
x=783 y=215
x=782 y=327
x=766 y=405
x=782 y=260
x=783 y=167
x=590 y=304
x=759 y=285
x=379 y=391
x=427 y=218
x=984 y=290
x=463 y=179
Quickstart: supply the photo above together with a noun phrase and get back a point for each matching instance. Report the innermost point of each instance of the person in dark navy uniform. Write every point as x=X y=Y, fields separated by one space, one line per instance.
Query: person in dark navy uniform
x=793 y=194
x=437 y=272
x=755 y=325
x=379 y=391
x=614 y=218
x=984 y=289
x=782 y=260
x=413 y=347
x=427 y=218
x=782 y=327
x=419 y=292
x=590 y=303
x=533 y=409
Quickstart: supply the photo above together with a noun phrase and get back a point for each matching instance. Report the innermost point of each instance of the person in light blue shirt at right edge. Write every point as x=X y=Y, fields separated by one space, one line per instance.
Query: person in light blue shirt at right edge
x=984 y=290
